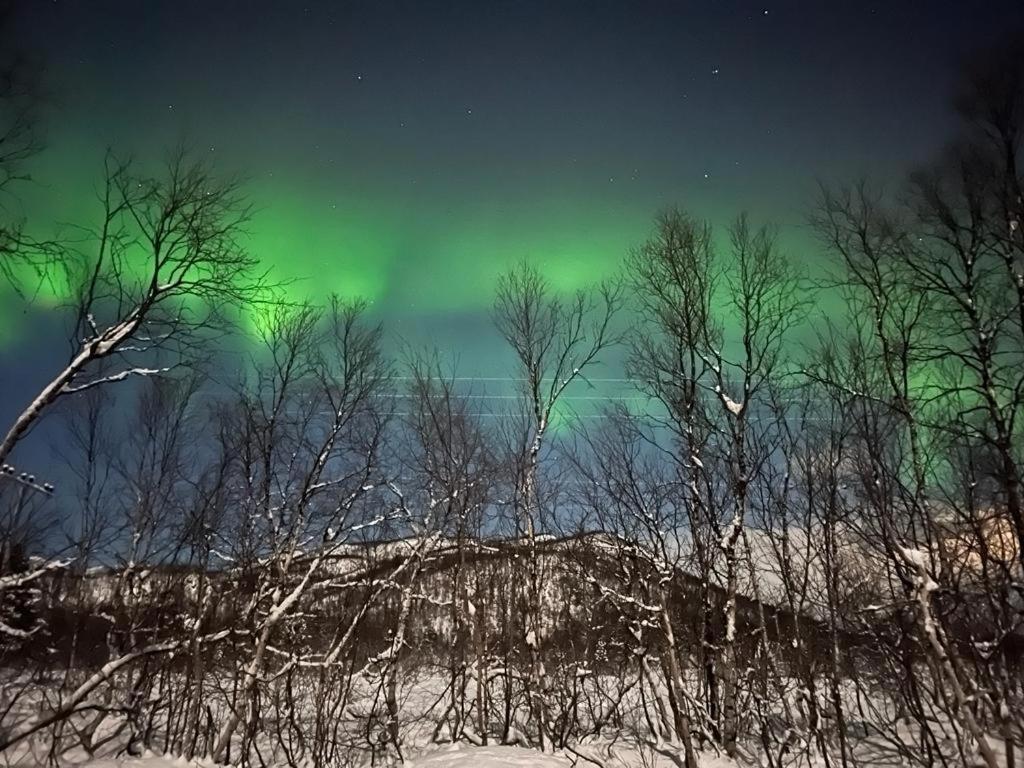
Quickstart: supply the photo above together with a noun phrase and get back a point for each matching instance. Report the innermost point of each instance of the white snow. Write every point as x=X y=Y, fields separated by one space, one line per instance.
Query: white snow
x=453 y=756
x=148 y=760
x=487 y=757
x=914 y=557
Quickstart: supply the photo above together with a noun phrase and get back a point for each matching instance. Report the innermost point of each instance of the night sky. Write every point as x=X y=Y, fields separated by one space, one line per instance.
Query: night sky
x=408 y=152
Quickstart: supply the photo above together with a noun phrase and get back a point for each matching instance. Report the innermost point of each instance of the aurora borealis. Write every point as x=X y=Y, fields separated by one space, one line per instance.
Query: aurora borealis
x=408 y=152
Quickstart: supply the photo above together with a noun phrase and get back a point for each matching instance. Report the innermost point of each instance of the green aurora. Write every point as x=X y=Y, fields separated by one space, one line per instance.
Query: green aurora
x=408 y=255
x=408 y=153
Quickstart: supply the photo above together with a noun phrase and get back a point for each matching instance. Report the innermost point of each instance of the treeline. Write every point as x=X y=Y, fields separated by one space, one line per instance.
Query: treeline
x=801 y=551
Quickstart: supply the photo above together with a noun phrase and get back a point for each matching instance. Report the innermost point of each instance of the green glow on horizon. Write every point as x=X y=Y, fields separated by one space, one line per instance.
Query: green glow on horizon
x=573 y=249
x=409 y=252
x=314 y=250
x=443 y=258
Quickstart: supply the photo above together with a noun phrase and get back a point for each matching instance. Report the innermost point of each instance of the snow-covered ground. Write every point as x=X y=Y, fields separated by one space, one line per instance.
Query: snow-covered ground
x=463 y=756
x=453 y=756
x=146 y=761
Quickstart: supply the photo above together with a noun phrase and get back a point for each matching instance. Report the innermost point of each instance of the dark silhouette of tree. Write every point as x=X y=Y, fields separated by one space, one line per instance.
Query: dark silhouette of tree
x=20 y=137
x=151 y=281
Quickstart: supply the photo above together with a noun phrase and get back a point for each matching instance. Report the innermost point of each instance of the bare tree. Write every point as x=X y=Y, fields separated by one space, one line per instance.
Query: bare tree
x=452 y=459
x=88 y=451
x=711 y=381
x=933 y=362
x=151 y=479
x=308 y=441
x=554 y=339
x=151 y=280
x=21 y=100
x=634 y=497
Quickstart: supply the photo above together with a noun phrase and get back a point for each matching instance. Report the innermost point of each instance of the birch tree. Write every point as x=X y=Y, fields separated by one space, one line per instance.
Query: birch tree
x=633 y=495
x=711 y=369
x=554 y=339
x=150 y=281
x=307 y=440
x=453 y=460
x=21 y=101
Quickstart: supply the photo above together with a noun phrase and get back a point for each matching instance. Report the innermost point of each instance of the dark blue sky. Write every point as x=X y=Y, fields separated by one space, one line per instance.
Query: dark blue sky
x=410 y=151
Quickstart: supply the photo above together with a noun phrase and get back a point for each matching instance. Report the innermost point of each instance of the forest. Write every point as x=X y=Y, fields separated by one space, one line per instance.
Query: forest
x=806 y=549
